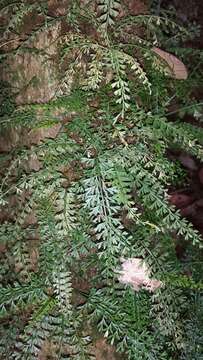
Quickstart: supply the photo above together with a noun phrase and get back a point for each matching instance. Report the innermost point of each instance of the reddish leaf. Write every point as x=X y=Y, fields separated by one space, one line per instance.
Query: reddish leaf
x=177 y=69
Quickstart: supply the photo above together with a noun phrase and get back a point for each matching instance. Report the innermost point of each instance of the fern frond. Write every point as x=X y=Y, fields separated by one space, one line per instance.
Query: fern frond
x=165 y=313
x=66 y=212
x=177 y=135
x=154 y=196
x=129 y=334
x=18 y=296
x=99 y=195
x=120 y=84
x=109 y=10
x=31 y=341
x=99 y=199
x=95 y=71
x=62 y=287
x=155 y=23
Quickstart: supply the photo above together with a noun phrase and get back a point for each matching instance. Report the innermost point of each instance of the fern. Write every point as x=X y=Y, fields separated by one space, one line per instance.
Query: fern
x=15 y=298
x=99 y=200
x=109 y=9
x=98 y=193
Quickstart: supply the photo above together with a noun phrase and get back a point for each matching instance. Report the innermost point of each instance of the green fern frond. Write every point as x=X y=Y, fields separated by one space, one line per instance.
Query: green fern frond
x=66 y=212
x=100 y=200
x=179 y=136
x=165 y=314
x=31 y=341
x=153 y=196
x=155 y=23
x=16 y=297
x=109 y=10
x=62 y=287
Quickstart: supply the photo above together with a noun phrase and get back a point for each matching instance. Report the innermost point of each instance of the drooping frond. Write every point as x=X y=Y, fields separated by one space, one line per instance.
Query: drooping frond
x=108 y=10
x=89 y=239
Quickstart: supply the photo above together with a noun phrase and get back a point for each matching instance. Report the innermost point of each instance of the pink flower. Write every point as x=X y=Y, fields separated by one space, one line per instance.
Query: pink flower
x=136 y=273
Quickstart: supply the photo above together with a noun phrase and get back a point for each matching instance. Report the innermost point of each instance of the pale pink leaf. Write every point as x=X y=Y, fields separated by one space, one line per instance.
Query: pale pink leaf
x=177 y=69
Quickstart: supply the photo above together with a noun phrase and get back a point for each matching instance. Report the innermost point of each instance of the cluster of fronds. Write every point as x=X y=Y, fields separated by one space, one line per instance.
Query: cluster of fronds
x=94 y=194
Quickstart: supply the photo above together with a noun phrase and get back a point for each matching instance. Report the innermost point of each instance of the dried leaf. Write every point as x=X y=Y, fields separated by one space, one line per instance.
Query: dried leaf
x=34 y=163
x=177 y=69
x=30 y=219
x=136 y=273
x=187 y=161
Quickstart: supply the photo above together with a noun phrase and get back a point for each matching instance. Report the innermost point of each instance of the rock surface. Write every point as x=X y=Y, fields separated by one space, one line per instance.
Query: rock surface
x=12 y=138
x=32 y=64
x=35 y=74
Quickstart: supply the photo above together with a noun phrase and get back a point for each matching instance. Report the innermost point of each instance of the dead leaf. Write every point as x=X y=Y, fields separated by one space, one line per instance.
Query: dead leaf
x=94 y=103
x=34 y=256
x=30 y=219
x=104 y=351
x=136 y=273
x=177 y=69
x=34 y=163
x=2 y=248
x=187 y=161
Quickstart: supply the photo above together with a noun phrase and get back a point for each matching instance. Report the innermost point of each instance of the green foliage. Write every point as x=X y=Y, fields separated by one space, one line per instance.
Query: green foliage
x=7 y=102
x=95 y=194
x=109 y=10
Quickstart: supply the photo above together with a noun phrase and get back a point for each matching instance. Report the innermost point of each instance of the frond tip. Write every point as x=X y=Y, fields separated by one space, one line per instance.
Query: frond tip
x=108 y=11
